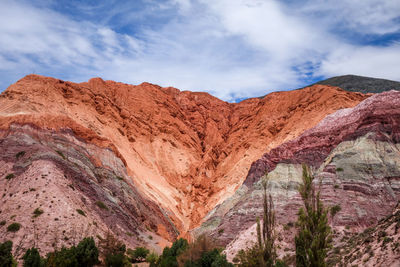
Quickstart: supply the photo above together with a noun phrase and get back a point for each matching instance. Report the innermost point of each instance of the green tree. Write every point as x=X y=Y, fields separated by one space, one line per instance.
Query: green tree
x=168 y=257
x=113 y=251
x=152 y=258
x=66 y=257
x=263 y=253
x=87 y=253
x=32 y=258
x=139 y=254
x=6 y=257
x=313 y=239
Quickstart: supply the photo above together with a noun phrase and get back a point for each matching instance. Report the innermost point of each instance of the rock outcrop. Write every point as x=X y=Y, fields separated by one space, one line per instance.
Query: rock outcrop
x=186 y=151
x=355 y=154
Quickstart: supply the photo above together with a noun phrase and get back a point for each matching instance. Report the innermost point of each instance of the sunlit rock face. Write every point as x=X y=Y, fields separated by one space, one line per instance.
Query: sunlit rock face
x=355 y=156
x=179 y=154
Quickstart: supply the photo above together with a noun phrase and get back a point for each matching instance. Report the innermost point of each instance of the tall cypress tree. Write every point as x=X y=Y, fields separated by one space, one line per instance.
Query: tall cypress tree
x=313 y=239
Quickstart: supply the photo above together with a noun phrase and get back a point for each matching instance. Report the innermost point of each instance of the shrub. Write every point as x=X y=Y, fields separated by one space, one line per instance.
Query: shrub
x=335 y=209
x=139 y=254
x=10 y=176
x=336 y=186
x=37 y=212
x=66 y=257
x=87 y=253
x=113 y=251
x=81 y=212
x=313 y=239
x=152 y=258
x=20 y=154
x=116 y=260
x=14 y=227
x=32 y=258
x=6 y=257
x=101 y=205
x=168 y=257
x=61 y=154
x=339 y=169
x=3 y=222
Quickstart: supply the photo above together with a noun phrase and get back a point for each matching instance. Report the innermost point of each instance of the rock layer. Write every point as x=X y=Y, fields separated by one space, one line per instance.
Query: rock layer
x=355 y=154
x=186 y=151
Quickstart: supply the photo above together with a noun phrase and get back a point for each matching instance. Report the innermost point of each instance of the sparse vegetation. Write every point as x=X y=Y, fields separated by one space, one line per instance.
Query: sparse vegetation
x=37 y=212
x=101 y=205
x=339 y=169
x=139 y=254
x=10 y=176
x=263 y=253
x=81 y=212
x=313 y=239
x=14 y=227
x=20 y=154
x=335 y=209
x=61 y=154
x=3 y=222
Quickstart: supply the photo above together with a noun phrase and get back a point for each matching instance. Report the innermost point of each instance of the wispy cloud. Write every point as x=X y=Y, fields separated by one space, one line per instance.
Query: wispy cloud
x=232 y=49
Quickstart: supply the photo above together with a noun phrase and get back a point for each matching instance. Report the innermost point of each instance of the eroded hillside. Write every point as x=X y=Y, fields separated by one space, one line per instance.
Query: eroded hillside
x=180 y=153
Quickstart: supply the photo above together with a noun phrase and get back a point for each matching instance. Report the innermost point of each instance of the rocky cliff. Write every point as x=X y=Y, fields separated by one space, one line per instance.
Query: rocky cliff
x=355 y=155
x=157 y=158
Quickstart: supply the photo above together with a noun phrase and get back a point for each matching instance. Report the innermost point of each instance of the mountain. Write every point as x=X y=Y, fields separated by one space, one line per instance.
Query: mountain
x=355 y=155
x=354 y=83
x=144 y=162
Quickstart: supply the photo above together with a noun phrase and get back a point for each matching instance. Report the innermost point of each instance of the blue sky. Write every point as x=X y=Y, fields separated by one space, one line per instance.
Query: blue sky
x=233 y=49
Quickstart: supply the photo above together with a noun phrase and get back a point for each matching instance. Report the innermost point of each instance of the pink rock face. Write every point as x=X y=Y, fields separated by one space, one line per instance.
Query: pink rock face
x=355 y=154
x=379 y=114
x=186 y=151
x=82 y=190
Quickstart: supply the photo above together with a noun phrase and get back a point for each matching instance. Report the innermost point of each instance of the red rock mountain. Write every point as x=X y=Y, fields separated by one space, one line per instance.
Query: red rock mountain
x=158 y=158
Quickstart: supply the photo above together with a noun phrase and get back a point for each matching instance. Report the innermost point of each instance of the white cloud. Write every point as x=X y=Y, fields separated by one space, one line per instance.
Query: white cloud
x=233 y=49
x=366 y=61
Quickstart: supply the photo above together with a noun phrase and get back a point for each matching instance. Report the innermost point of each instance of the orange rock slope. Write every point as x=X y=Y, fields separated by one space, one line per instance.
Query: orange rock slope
x=187 y=151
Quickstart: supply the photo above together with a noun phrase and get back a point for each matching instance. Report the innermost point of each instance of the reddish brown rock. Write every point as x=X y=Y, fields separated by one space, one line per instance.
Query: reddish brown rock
x=355 y=154
x=186 y=151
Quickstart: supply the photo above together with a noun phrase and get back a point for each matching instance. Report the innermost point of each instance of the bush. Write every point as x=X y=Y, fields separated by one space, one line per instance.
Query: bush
x=32 y=258
x=139 y=254
x=339 y=169
x=2 y=223
x=113 y=251
x=335 y=209
x=37 y=212
x=87 y=253
x=10 y=176
x=6 y=257
x=66 y=257
x=101 y=205
x=168 y=257
x=81 y=212
x=152 y=258
x=61 y=154
x=116 y=260
x=14 y=227
x=20 y=154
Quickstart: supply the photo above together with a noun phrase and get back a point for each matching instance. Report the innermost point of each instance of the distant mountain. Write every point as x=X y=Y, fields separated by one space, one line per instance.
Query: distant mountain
x=354 y=83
